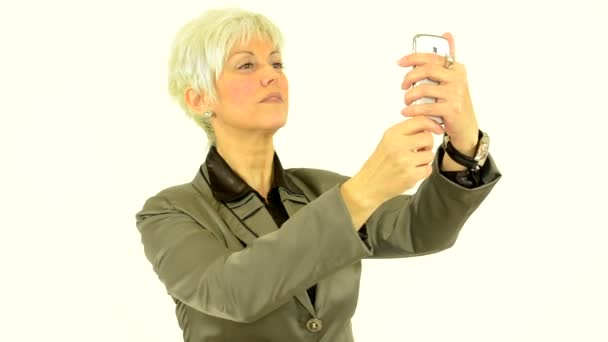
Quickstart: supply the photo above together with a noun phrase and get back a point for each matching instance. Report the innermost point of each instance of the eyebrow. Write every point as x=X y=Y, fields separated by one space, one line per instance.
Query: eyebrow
x=251 y=53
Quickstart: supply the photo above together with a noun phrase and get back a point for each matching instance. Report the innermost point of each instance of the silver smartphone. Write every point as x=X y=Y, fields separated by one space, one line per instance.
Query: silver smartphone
x=429 y=43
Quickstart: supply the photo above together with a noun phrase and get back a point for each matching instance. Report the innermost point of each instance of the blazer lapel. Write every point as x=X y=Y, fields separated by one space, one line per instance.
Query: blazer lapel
x=292 y=203
x=248 y=219
x=252 y=214
x=244 y=217
x=258 y=221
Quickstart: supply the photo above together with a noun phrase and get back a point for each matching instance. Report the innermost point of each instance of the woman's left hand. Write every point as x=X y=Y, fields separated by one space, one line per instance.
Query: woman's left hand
x=452 y=93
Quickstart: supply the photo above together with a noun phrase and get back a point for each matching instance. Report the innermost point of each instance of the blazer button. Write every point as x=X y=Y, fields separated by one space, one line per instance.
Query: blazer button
x=314 y=325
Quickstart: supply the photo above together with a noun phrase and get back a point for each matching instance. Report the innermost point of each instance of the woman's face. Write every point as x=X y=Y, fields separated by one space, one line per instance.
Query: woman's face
x=250 y=74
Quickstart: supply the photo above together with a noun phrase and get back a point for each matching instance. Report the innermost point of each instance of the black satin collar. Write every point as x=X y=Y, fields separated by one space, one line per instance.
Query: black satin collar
x=227 y=186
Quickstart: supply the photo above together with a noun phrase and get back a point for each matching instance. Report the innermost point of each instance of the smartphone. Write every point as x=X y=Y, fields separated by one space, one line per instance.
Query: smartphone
x=429 y=43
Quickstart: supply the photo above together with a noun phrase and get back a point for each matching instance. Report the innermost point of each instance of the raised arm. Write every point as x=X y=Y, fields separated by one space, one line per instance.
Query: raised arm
x=402 y=225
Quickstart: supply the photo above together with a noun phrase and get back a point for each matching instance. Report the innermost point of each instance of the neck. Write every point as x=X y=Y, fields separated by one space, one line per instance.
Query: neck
x=251 y=160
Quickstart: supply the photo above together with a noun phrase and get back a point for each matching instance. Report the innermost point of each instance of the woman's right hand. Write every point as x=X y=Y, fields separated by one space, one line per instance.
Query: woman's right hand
x=401 y=159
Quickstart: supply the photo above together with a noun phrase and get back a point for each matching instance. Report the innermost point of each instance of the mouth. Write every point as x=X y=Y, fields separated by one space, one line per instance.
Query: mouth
x=273 y=97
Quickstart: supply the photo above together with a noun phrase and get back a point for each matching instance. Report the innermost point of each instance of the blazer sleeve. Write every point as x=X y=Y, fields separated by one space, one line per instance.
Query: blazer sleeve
x=429 y=220
x=199 y=270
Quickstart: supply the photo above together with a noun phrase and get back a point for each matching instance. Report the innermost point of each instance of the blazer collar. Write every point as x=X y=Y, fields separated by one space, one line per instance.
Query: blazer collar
x=227 y=186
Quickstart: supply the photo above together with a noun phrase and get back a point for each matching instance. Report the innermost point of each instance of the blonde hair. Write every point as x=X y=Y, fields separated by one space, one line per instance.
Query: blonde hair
x=201 y=47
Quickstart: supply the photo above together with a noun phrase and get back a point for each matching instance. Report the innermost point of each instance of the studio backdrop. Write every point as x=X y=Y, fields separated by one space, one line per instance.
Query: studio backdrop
x=89 y=132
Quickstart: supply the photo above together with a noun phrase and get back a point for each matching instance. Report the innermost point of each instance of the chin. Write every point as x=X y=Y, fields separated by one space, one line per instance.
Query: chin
x=276 y=121
x=275 y=125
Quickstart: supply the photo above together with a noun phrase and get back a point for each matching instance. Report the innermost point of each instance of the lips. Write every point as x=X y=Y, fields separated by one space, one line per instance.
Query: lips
x=276 y=96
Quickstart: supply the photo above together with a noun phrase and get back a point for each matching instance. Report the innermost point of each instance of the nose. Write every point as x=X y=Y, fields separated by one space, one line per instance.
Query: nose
x=270 y=74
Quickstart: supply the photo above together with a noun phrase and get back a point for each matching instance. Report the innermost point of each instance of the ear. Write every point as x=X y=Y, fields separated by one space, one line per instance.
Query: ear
x=197 y=102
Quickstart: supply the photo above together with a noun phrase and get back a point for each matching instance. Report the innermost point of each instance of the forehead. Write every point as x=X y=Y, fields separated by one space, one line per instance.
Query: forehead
x=255 y=46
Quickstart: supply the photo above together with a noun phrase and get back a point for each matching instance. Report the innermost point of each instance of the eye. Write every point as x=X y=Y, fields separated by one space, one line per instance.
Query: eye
x=242 y=66
x=277 y=65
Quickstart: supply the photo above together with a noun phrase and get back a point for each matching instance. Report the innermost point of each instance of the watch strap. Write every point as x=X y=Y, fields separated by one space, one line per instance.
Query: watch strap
x=462 y=159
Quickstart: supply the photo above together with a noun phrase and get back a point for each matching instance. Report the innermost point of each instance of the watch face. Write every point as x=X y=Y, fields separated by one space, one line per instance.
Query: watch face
x=484 y=148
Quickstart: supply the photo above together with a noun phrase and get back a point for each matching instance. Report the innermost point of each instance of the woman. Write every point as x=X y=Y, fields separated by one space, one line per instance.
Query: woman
x=250 y=251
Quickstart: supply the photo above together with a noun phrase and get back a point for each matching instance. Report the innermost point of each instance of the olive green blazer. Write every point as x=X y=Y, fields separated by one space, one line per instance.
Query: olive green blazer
x=235 y=276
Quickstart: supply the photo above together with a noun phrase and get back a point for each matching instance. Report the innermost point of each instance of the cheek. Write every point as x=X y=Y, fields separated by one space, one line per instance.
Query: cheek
x=241 y=92
x=282 y=80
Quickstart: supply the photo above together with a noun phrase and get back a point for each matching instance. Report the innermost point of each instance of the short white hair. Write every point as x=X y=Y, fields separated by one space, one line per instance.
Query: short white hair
x=201 y=48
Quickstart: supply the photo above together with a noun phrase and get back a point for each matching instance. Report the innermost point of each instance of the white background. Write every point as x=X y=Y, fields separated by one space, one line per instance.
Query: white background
x=88 y=132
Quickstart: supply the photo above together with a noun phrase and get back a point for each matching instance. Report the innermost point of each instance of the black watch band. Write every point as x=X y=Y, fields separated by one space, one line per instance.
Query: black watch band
x=462 y=159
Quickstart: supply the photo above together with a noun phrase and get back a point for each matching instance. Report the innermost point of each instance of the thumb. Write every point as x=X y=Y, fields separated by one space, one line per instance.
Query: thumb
x=450 y=38
x=419 y=124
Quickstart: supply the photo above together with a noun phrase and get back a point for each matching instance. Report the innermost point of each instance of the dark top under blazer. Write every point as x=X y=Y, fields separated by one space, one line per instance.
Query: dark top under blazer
x=235 y=276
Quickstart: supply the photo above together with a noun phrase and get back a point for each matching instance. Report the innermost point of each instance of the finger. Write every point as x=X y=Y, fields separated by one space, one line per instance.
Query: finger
x=423 y=171
x=422 y=158
x=419 y=124
x=419 y=141
x=434 y=72
x=422 y=109
x=420 y=58
x=450 y=38
x=424 y=90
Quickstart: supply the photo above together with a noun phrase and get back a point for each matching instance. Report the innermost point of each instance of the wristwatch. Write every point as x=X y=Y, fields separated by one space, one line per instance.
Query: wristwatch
x=481 y=154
